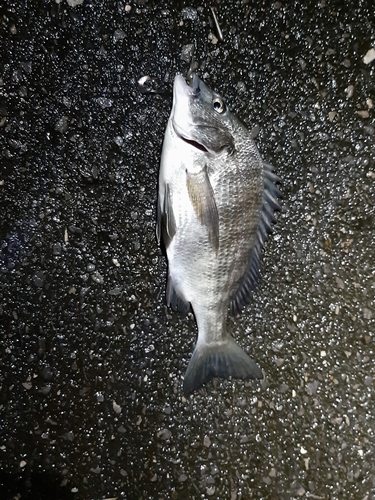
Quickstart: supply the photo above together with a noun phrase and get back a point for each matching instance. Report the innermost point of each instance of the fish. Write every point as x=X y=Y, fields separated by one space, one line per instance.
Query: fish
x=216 y=207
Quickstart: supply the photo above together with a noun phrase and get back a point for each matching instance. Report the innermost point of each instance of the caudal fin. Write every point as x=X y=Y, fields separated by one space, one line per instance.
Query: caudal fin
x=218 y=359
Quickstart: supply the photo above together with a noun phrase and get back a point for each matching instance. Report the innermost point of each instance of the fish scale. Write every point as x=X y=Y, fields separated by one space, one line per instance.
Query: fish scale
x=215 y=208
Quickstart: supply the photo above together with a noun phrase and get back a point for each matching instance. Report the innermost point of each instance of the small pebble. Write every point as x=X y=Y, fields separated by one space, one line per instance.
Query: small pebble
x=116 y=407
x=164 y=434
x=119 y=35
x=62 y=124
x=104 y=102
x=369 y=57
x=331 y=115
x=189 y=13
x=363 y=113
x=187 y=52
x=367 y=313
x=73 y=3
x=56 y=249
x=212 y=38
x=350 y=91
x=368 y=381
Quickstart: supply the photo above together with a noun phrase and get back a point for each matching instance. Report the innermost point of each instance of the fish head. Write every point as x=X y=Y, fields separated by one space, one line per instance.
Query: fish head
x=201 y=118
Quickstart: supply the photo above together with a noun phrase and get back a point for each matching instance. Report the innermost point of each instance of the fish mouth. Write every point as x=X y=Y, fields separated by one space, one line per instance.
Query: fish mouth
x=183 y=121
x=182 y=94
x=195 y=144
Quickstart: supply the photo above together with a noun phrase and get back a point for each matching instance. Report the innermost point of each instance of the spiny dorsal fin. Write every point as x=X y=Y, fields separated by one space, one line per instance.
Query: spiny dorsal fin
x=250 y=278
x=202 y=198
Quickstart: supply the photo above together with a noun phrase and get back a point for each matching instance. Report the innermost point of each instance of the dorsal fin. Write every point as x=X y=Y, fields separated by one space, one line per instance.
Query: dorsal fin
x=250 y=278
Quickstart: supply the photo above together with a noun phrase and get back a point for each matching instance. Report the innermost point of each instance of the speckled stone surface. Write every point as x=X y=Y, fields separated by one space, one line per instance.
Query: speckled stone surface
x=91 y=361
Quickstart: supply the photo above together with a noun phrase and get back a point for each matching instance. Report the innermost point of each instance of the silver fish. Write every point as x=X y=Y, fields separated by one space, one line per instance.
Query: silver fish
x=215 y=208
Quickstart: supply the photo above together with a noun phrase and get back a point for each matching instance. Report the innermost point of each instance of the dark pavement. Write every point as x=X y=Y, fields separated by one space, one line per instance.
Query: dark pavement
x=91 y=402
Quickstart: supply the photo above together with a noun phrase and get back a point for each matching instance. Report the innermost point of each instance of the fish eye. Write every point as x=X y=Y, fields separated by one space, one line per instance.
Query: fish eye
x=218 y=105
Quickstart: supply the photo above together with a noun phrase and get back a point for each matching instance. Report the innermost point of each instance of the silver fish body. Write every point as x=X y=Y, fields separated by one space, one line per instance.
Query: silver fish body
x=215 y=208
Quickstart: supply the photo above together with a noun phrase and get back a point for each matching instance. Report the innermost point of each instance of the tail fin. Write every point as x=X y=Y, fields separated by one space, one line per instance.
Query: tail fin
x=218 y=359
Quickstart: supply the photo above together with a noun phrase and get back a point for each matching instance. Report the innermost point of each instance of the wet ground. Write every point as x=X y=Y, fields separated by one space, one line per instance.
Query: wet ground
x=91 y=402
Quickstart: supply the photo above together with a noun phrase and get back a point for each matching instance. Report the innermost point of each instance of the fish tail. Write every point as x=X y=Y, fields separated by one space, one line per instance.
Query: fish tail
x=218 y=359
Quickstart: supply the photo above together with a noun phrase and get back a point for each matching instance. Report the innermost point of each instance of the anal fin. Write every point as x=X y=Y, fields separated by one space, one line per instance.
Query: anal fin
x=174 y=299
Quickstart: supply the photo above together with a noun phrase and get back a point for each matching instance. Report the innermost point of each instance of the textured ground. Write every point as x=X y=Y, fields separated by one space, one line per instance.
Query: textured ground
x=91 y=403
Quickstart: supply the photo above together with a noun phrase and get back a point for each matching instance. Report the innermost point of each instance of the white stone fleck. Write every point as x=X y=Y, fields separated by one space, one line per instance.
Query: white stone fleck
x=363 y=113
x=74 y=3
x=369 y=56
x=116 y=407
x=206 y=441
x=331 y=115
x=350 y=91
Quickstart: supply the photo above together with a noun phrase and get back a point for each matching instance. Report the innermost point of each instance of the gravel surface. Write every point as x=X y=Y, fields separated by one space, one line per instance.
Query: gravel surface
x=91 y=361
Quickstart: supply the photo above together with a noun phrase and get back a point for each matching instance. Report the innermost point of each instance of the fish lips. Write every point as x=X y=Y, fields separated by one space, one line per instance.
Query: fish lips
x=195 y=131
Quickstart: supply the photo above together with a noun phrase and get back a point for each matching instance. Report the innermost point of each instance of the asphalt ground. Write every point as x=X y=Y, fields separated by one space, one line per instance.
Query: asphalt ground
x=91 y=402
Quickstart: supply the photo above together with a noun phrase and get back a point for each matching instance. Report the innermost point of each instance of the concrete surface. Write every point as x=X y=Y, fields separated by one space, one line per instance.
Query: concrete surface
x=91 y=403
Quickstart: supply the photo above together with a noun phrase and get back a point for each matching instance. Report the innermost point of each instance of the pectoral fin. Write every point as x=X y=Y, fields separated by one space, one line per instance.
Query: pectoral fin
x=166 y=223
x=202 y=198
